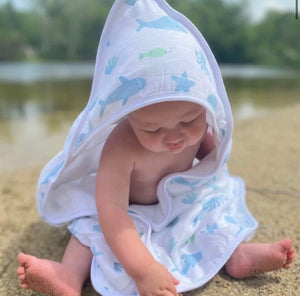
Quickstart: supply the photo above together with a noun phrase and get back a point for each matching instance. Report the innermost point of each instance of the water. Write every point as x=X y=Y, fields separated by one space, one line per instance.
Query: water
x=39 y=102
x=36 y=72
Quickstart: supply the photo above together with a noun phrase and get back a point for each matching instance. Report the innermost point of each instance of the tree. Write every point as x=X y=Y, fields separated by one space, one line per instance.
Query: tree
x=276 y=40
x=225 y=27
x=12 y=43
x=70 y=30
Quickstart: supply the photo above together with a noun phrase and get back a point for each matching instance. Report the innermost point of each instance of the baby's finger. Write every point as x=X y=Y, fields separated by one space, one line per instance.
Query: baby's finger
x=173 y=290
x=173 y=293
x=175 y=281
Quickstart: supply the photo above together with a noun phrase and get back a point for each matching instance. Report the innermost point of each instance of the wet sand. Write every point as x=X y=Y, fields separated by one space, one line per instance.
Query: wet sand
x=265 y=153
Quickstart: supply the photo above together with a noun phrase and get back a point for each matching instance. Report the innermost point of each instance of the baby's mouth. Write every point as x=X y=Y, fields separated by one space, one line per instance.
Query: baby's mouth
x=175 y=147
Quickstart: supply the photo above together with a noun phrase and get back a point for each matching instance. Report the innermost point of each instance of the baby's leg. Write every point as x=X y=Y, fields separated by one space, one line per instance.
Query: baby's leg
x=252 y=259
x=54 y=278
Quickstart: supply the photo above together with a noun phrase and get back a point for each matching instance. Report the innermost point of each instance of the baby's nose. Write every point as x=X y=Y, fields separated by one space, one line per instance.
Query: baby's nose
x=173 y=137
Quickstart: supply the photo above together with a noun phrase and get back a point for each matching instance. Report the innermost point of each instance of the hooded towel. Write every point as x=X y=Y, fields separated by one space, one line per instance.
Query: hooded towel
x=150 y=53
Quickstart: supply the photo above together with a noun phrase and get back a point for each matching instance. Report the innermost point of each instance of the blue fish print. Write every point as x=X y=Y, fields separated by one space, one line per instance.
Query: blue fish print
x=73 y=226
x=141 y=234
x=213 y=203
x=238 y=190
x=211 y=228
x=190 y=198
x=213 y=101
x=212 y=184
x=226 y=158
x=42 y=195
x=197 y=219
x=223 y=131
x=84 y=134
x=202 y=62
x=240 y=230
x=111 y=65
x=95 y=252
x=230 y=220
x=191 y=240
x=53 y=173
x=183 y=83
x=93 y=104
x=190 y=260
x=97 y=228
x=127 y=89
x=163 y=23
x=131 y=2
x=172 y=244
x=118 y=267
x=185 y=182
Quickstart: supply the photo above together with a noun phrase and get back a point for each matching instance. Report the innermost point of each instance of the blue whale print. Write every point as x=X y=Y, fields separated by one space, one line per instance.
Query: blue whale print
x=53 y=173
x=127 y=89
x=131 y=2
x=213 y=101
x=163 y=23
x=83 y=135
x=190 y=260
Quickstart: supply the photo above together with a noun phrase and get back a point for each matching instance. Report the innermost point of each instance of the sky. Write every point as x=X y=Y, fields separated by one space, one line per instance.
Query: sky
x=257 y=8
x=18 y=3
x=21 y=4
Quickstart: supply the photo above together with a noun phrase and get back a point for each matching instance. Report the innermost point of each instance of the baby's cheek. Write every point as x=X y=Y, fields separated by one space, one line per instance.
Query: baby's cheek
x=154 y=144
x=195 y=135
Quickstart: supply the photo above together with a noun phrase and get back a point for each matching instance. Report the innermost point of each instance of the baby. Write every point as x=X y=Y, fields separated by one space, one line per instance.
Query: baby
x=144 y=219
x=151 y=143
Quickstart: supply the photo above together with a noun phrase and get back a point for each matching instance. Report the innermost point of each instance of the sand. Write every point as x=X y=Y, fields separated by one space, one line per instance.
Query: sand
x=265 y=153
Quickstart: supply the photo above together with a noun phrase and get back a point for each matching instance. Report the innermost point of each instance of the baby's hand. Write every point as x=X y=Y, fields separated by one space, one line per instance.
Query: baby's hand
x=156 y=281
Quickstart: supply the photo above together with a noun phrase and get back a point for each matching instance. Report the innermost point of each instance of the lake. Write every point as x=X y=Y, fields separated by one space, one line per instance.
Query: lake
x=39 y=102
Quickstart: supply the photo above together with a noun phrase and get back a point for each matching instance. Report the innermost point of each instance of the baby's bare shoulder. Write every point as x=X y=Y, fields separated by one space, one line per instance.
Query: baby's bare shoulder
x=121 y=143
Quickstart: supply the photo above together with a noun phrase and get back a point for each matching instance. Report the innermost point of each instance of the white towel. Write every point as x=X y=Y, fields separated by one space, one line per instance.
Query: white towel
x=150 y=53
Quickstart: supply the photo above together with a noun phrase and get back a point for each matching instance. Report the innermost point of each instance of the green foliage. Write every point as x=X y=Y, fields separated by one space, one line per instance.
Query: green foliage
x=276 y=40
x=225 y=27
x=12 y=42
x=70 y=30
x=12 y=46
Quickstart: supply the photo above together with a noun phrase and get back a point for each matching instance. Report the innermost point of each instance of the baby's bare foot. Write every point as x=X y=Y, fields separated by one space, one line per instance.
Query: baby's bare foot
x=45 y=276
x=252 y=259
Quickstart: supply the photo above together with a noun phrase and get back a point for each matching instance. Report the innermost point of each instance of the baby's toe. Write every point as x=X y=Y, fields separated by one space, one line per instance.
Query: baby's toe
x=21 y=271
x=24 y=285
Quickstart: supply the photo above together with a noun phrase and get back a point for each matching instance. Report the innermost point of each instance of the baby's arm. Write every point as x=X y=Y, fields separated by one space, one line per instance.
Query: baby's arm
x=112 y=198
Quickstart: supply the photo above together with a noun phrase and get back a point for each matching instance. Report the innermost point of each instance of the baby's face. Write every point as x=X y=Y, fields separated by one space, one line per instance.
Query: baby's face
x=169 y=126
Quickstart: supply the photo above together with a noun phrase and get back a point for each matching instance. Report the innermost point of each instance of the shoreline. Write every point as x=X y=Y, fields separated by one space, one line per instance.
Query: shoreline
x=265 y=154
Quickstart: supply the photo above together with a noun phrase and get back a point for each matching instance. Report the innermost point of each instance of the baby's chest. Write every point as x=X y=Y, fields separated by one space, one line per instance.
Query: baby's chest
x=149 y=172
x=152 y=170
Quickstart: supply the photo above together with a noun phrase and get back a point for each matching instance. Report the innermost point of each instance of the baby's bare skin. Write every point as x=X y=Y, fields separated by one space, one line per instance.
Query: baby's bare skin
x=148 y=168
x=252 y=259
x=57 y=279
x=48 y=277
x=64 y=278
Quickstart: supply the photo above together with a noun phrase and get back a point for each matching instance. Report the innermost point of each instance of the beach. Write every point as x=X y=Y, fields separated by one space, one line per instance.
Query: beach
x=265 y=154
